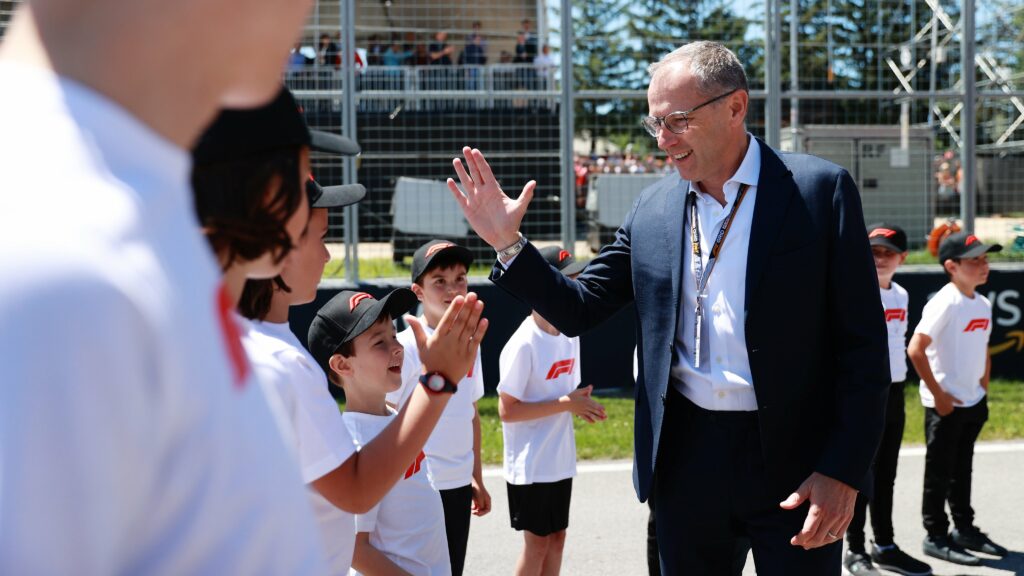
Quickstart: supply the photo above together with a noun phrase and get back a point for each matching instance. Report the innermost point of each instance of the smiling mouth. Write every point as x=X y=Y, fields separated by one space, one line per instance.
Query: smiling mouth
x=682 y=156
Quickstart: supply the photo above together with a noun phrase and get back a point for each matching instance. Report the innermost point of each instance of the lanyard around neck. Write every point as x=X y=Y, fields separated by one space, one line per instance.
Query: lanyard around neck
x=702 y=273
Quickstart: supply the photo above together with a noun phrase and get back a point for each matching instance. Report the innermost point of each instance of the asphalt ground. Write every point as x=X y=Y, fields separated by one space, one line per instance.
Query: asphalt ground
x=608 y=526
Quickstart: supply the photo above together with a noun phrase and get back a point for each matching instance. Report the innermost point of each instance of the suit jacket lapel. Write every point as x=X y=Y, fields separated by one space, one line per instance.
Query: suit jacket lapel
x=775 y=188
x=674 y=221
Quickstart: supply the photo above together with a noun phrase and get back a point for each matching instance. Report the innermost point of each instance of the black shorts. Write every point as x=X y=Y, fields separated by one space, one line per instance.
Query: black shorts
x=541 y=508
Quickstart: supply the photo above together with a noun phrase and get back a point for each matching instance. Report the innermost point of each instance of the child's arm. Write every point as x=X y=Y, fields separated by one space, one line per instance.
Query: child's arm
x=578 y=402
x=362 y=480
x=481 y=498
x=988 y=371
x=916 y=352
x=372 y=562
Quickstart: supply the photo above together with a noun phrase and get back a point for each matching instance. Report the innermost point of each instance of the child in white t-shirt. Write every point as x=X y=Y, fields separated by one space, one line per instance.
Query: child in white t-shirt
x=404 y=533
x=950 y=352
x=889 y=248
x=540 y=372
x=439 y=272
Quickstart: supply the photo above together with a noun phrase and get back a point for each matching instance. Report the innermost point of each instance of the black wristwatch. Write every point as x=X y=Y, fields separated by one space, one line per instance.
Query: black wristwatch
x=436 y=383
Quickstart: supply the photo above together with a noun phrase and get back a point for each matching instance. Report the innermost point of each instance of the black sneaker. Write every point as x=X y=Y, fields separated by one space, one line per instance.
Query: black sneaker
x=895 y=560
x=974 y=539
x=859 y=564
x=943 y=548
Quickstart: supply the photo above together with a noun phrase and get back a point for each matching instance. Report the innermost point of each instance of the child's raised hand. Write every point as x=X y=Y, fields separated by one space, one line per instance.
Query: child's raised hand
x=452 y=348
x=582 y=405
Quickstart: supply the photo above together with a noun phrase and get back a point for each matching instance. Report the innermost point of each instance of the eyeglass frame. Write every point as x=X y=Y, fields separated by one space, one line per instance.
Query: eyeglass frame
x=660 y=120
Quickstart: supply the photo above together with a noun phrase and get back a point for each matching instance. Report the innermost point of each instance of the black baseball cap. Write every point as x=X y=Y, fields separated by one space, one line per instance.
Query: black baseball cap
x=349 y=314
x=239 y=133
x=888 y=236
x=333 y=196
x=964 y=245
x=563 y=260
x=426 y=254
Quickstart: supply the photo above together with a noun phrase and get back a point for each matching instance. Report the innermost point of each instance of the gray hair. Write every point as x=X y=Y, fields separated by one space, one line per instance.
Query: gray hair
x=714 y=67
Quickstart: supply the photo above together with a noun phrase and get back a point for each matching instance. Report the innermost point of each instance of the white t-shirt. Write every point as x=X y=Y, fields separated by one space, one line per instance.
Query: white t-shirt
x=894 y=303
x=538 y=367
x=296 y=388
x=133 y=439
x=408 y=523
x=450 y=446
x=959 y=328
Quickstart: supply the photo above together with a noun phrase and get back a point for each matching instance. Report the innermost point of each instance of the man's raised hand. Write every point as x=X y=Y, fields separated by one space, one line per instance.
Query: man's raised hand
x=452 y=348
x=494 y=216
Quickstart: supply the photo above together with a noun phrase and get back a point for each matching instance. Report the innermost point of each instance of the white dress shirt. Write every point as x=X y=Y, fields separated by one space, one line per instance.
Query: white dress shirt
x=723 y=380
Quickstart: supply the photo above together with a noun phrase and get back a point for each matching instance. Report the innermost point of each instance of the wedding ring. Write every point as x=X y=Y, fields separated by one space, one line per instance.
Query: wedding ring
x=832 y=536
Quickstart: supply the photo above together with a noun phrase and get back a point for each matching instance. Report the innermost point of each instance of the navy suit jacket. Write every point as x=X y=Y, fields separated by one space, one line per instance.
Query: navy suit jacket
x=815 y=331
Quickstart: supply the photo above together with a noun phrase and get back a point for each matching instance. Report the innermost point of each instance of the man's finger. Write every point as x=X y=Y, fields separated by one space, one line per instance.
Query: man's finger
x=795 y=499
x=483 y=167
x=524 y=198
x=474 y=170
x=459 y=196
x=464 y=179
x=809 y=532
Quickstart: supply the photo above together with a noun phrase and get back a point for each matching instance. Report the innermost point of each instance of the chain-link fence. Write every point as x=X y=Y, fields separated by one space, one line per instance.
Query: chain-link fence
x=874 y=85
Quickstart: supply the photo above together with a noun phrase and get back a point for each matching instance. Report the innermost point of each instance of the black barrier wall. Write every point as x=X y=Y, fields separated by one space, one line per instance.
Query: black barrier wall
x=608 y=350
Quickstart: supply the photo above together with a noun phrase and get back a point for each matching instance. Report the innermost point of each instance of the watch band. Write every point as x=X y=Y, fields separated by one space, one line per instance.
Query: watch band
x=436 y=383
x=512 y=251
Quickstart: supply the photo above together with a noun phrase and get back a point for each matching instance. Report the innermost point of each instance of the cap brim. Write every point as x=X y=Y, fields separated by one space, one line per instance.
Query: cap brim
x=338 y=196
x=574 y=268
x=975 y=251
x=885 y=243
x=333 y=143
x=398 y=302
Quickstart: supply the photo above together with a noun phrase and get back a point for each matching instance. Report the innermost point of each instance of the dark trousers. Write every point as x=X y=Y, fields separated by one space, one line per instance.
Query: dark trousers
x=884 y=472
x=948 y=466
x=458 y=505
x=712 y=488
x=654 y=563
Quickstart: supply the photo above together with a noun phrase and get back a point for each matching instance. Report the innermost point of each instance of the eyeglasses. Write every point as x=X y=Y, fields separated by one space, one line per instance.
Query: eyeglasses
x=676 y=122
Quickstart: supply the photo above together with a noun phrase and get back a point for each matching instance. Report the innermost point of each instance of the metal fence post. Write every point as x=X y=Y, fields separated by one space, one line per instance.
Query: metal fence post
x=968 y=117
x=773 y=68
x=568 y=187
x=348 y=127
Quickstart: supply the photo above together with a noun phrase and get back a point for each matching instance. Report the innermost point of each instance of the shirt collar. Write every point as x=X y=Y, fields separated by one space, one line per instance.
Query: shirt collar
x=748 y=173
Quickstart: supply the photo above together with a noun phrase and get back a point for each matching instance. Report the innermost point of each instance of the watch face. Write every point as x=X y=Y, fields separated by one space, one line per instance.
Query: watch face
x=435 y=382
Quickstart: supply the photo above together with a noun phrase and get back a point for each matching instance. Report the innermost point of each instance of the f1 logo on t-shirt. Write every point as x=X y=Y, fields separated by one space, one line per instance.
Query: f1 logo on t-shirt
x=895 y=315
x=415 y=466
x=561 y=367
x=977 y=324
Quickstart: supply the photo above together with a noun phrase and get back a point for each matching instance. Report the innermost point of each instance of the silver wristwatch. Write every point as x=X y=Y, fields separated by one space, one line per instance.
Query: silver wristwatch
x=509 y=252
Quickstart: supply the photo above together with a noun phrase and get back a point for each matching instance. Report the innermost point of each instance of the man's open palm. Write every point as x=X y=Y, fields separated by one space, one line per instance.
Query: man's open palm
x=494 y=216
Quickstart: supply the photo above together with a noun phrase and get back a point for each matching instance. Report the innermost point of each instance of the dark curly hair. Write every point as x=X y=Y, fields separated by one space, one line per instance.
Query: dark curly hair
x=242 y=215
x=257 y=296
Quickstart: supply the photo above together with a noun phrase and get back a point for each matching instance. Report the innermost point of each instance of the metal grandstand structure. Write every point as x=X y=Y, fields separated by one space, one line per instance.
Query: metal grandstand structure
x=876 y=85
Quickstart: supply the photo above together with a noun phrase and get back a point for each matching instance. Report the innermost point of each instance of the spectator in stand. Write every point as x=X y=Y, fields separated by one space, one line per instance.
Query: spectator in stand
x=297 y=61
x=474 y=54
x=440 y=51
x=328 y=53
x=545 y=66
x=505 y=57
x=394 y=57
x=374 y=51
x=529 y=39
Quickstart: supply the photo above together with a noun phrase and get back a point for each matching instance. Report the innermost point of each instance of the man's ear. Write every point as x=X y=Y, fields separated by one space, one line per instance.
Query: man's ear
x=340 y=365
x=738 y=104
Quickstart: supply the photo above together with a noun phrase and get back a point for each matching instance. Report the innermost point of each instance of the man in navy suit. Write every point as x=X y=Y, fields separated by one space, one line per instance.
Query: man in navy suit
x=763 y=364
